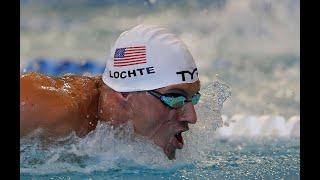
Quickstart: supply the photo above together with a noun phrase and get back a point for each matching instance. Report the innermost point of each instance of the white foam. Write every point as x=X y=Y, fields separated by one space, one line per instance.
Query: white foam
x=294 y=126
x=260 y=126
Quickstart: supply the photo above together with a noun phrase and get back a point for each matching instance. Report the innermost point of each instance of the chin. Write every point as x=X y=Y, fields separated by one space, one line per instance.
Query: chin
x=167 y=148
x=170 y=153
x=171 y=147
x=171 y=141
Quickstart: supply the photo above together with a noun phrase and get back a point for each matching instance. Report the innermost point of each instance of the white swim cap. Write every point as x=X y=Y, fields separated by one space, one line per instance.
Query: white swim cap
x=148 y=57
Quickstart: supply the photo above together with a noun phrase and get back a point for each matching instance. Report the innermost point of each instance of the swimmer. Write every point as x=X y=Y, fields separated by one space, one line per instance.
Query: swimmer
x=150 y=79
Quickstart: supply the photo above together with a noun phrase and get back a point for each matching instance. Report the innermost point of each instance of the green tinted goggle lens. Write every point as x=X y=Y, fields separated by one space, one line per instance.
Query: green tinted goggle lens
x=176 y=102
x=195 y=98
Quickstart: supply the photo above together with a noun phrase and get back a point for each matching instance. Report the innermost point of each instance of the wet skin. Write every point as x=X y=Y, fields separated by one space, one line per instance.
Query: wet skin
x=60 y=105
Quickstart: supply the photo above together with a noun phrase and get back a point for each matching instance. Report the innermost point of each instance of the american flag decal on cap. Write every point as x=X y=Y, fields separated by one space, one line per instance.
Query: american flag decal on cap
x=130 y=56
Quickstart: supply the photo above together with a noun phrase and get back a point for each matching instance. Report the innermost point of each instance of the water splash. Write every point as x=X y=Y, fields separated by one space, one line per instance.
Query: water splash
x=105 y=148
x=199 y=140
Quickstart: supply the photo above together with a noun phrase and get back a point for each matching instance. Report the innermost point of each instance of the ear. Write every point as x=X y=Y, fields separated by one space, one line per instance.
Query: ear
x=123 y=104
x=123 y=96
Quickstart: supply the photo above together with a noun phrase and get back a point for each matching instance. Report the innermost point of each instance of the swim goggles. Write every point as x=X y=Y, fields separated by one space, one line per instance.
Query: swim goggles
x=173 y=100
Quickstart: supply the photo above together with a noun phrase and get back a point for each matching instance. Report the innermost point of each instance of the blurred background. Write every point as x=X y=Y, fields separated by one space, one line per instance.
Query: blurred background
x=252 y=45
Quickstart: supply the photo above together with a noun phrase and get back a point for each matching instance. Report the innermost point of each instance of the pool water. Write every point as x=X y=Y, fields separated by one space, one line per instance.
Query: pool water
x=241 y=158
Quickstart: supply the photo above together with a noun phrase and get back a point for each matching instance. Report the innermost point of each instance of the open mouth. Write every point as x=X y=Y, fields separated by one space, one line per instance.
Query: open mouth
x=179 y=137
x=176 y=141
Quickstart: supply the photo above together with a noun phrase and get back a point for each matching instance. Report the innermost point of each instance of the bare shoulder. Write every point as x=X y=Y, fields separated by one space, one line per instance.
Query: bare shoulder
x=71 y=86
x=56 y=102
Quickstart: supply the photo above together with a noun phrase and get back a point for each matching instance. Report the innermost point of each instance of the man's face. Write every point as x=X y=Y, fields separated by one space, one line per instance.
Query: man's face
x=163 y=125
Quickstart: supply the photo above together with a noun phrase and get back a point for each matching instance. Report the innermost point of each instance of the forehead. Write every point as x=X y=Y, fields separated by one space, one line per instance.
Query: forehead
x=188 y=88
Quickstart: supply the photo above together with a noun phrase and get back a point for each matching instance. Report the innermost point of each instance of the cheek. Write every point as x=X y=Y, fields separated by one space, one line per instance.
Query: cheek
x=150 y=117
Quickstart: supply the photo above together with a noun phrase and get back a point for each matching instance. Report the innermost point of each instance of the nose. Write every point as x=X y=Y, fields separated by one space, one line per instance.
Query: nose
x=187 y=113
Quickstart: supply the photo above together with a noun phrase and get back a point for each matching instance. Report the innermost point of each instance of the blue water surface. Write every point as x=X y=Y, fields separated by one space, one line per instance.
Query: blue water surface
x=229 y=159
